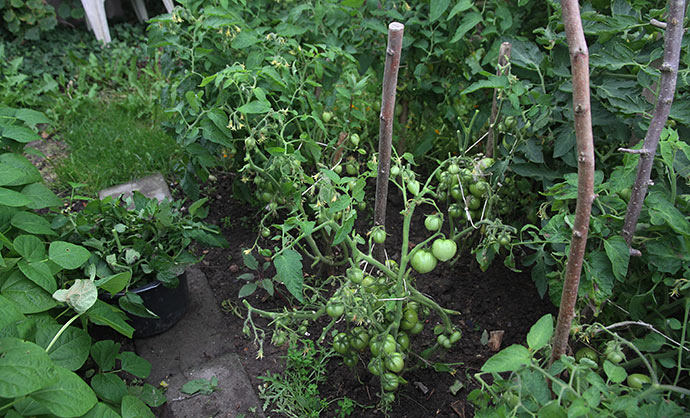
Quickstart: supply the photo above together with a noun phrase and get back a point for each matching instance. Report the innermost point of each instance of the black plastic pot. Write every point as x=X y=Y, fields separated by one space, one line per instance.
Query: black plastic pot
x=170 y=304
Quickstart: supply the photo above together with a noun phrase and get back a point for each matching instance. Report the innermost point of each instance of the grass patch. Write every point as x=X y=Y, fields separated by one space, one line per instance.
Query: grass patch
x=108 y=145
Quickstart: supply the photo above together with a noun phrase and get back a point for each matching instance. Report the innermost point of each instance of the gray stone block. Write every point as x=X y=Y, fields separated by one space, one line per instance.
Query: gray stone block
x=150 y=186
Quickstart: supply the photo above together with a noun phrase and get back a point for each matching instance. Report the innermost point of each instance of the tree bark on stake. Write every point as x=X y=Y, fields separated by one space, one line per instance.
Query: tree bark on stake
x=667 y=88
x=503 y=59
x=390 y=83
x=579 y=61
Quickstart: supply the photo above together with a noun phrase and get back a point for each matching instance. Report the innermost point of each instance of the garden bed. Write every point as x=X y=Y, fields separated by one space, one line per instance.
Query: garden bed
x=498 y=299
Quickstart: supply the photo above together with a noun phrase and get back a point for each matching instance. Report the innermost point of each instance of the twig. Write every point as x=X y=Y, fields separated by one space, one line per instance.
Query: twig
x=503 y=59
x=641 y=324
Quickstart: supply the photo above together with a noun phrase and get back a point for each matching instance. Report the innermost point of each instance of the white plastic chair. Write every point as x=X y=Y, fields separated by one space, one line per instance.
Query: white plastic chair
x=97 y=20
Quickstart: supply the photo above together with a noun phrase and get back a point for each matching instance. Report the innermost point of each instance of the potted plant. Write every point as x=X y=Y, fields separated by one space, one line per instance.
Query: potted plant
x=140 y=248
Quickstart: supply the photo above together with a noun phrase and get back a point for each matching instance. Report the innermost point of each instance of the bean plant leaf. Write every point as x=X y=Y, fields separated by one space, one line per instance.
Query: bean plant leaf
x=540 y=334
x=28 y=296
x=507 y=360
x=134 y=304
x=71 y=350
x=20 y=134
x=30 y=247
x=151 y=395
x=24 y=368
x=619 y=254
x=81 y=296
x=9 y=312
x=132 y=363
x=13 y=198
x=104 y=353
x=16 y=170
x=114 y=283
x=39 y=273
x=109 y=387
x=66 y=255
x=101 y=410
x=133 y=407
x=104 y=314
x=288 y=266
x=32 y=223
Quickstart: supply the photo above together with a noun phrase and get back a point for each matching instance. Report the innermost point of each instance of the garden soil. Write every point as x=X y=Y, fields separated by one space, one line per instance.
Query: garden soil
x=491 y=302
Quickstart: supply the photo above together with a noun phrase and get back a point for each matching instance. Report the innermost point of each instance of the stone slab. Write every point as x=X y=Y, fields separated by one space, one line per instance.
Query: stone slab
x=234 y=395
x=150 y=186
x=200 y=335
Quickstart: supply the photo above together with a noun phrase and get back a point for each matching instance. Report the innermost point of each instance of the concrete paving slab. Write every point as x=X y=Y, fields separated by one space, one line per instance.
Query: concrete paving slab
x=150 y=186
x=234 y=395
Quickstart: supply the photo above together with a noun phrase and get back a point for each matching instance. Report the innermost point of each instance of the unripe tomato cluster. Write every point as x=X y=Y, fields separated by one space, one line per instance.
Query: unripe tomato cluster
x=464 y=186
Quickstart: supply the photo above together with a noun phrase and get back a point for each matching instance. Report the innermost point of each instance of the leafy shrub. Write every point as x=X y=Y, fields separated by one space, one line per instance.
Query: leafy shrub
x=27 y=19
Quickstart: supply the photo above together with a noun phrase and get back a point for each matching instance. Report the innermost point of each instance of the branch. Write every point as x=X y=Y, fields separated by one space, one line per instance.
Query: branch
x=642 y=324
x=579 y=60
x=503 y=60
x=667 y=88
x=390 y=83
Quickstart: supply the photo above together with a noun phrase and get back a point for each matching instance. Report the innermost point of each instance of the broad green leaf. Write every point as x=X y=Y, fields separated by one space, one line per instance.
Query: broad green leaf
x=662 y=211
x=615 y=373
x=344 y=230
x=619 y=254
x=459 y=7
x=81 y=296
x=540 y=334
x=13 y=198
x=70 y=396
x=246 y=290
x=24 y=368
x=104 y=314
x=101 y=410
x=16 y=170
x=39 y=273
x=104 y=353
x=67 y=255
x=194 y=207
x=109 y=387
x=20 y=134
x=114 y=283
x=32 y=117
x=28 y=296
x=526 y=54
x=437 y=8
x=469 y=21
x=134 y=408
x=552 y=409
x=32 y=223
x=255 y=107
x=509 y=359
x=250 y=261
x=134 y=304
x=30 y=247
x=151 y=395
x=70 y=350
x=9 y=312
x=493 y=82
x=288 y=266
x=244 y=39
x=202 y=386
x=41 y=196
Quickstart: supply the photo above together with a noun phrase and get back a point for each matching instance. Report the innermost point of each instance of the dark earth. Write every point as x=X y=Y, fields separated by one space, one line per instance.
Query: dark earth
x=496 y=300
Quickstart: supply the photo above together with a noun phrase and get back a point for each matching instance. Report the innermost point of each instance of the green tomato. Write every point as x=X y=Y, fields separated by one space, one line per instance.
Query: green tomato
x=417 y=328
x=395 y=171
x=637 y=380
x=368 y=282
x=588 y=353
x=338 y=169
x=455 y=336
x=615 y=356
x=376 y=366
x=479 y=189
x=265 y=232
x=433 y=223
x=504 y=239
x=413 y=187
x=453 y=169
x=359 y=338
x=409 y=319
x=354 y=139
x=474 y=203
x=389 y=381
x=387 y=344
x=456 y=193
x=485 y=163
x=455 y=210
x=341 y=344
x=355 y=275
x=510 y=122
x=326 y=116
x=423 y=261
x=350 y=360
x=352 y=168
x=444 y=249
x=444 y=341
x=395 y=362
x=403 y=341
x=278 y=338
x=335 y=308
x=379 y=235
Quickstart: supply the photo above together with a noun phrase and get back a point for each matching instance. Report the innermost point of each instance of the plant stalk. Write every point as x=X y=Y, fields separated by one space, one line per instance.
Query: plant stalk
x=503 y=59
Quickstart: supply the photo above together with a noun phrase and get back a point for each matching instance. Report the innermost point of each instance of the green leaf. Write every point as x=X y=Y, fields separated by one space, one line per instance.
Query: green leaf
x=28 y=296
x=24 y=368
x=246 y=290
x=133 y=407
x=114 y=283
x=344 y=230
x=540 y=334
x=9 y=312
x=109 y=387
x=526 y=54
x=196 y=205
x=469 y=21
x=67 y=255
x=30 y=247
x=615 y=373
x=619 y=254
x=151 y=395
x=20 y=134
x=507 y=360
x=244 y=39
x=101 y=410
x=81 y=296
x=70 y=396
x=104 y=314
x=662 y=211
x=39 y=273
x=493 y=82
x=255 y=107
x=288 y=266
x=32 y=223
x=552 y=409
x=104 y=353
x=132 y=363
x=202 y=386
x=459 y=7
x=13 y=199
x=71 y=350
x=437 y=8
x=40 y=196
x=134 y=304
x=250 y=261
x=32 y=117
x=16 y=170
